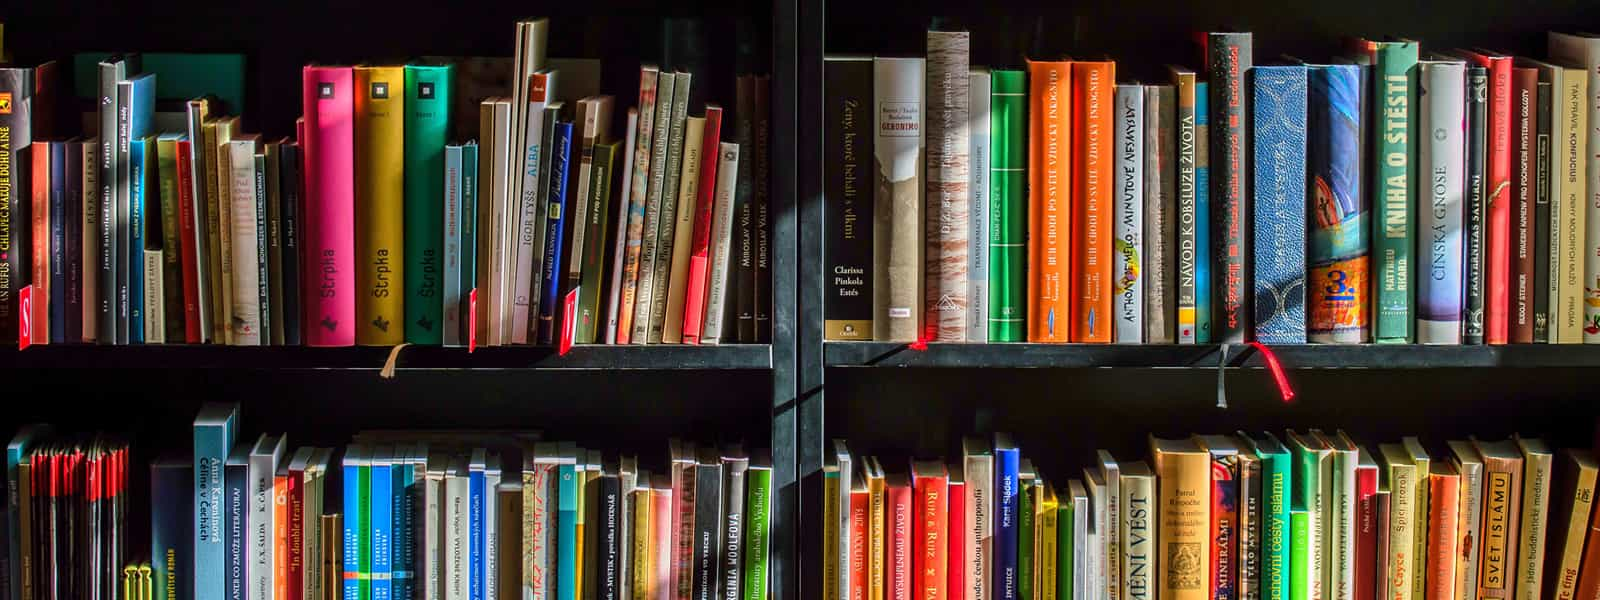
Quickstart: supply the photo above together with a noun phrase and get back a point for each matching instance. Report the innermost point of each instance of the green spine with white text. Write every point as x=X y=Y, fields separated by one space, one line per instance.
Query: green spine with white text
x=1008 y=207
x=758 y=515
x=1394 y=191
x=427 y=126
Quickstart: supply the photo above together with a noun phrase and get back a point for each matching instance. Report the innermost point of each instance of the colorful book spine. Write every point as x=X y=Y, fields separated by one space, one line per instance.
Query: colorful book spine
x=847 y=305
x=1092 y=211
x=1224 y=526
x=1007 y=461
x=1277 y=475
x=946 y=237
x=980 y=118
x=15 y=198
x=619 y=239
x=1026 y=534
x=1570 y=324
x=1184 y=498
x=1441 y=156
x=426 y=126
x=678 y=148
x=355 y=538
x=140 y=158
x=1229 y=58
x=897 y=222
x=1279 y=112
x=1338 y=278
x=476 y=530
x=1160 y=214
x=1049 y=266
x=900 y=546
x=1366 y=574
x=1476 y=202
x=554 y=242
x=1497 y=234
x=1203 y=297
x=135 y=111
x=588 y=236
x=329 y=288
x=450 y=295
x=1008 y=206
x=1129 y=269
x=214 y=431
x=931 y=533
x=1583 y=51
x=1444 y=495
x=1394 y=235
x=1189 y=219
x=655 y=186
x=757 y=529
x=694 y=291
x=567 y=491
x=380 y=206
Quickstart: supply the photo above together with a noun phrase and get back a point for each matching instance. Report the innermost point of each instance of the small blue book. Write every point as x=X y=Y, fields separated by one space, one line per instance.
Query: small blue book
x=1202 y=226
x=137 y=97
x=354 y=537
x=1278 y=104
x=236 y=560
x=549 y=324
x=469 y=228
x=475 y=507
x=382 y=506
x=1007 y=466
x=171 y=535
x=215 y=427
x=567 y=489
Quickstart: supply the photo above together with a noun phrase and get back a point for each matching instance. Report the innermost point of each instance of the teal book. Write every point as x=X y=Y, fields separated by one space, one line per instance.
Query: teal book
x=567 y=489
x=141 y=159
x=1026 y=526
x=427 y=125
x=1393 y=192
x=1202 y=206
x=469 y=237
x=1277 y=482
x=1008 y=207
x=1300 y=565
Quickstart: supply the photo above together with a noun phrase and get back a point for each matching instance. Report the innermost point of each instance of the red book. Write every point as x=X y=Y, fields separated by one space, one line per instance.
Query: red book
x=1224 y=525
x=932 y=529
x=898 y=583
x=1444 y=497
x=329 y=145
x=191 y=277
x=1093 y=158
x=694 y=304
x=1366 y=529
x=40 y=152
x=860 y=506
x=1380 y=501
x=1497 y=267
x=956 y=561
x=1589 y=578
x=1524 y=186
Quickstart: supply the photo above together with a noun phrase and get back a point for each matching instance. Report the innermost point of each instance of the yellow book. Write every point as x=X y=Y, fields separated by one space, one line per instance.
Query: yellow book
x=830 y=532
x=1537 y=464
x=1183 y=475
x=147 y=588
x=643 y=576
x=683 y=229
x=129 y=591
x=380 y=200
x=876 y=497
x=1400 y=471
x=1047 y=544
x=226 y=128
x=1419 y=534
x=1571 y=125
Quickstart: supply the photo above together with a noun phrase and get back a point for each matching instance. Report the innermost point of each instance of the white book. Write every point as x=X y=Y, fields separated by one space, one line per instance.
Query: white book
x=539 y=524
x=978 y=83
x=1342 y=528
x=1469 y=464
x=528 y=58
x=1138 y=532
x=430 y=561
x=245 y=320
x=721 y=244
x=261 y=520
x=1078 y=497
x=656 y=193
x=620 y=227
x=1442 y=157
x=451 y=297
x=457 y=524
x=501 y=204
x=155 y=320
x=978 y=536
x=1111 y=526
x=529 y=211
x=1128 y=303
x=947 y=242
x=1583 y=50
x=1093 y=545
x=842 y=553
x=897 y=224
x=491 y=527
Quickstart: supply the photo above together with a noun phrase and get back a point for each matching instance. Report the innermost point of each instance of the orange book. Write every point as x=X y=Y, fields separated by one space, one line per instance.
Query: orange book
x=1444 y=515
x=280 y=520
x=860 y=503
x=1092 y=159
x=1049 y=200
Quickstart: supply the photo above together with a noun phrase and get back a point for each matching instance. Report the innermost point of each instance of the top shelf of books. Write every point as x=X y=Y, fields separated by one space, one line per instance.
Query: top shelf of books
x=597 y=357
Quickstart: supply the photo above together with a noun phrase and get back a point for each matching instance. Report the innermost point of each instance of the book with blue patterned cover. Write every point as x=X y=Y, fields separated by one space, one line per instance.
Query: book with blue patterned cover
x=1278 y=104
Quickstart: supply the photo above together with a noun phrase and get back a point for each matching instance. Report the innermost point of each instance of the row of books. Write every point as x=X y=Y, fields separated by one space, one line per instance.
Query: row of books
x=1250 y=515
x=393 y=515
x=371 y=227
x=1391 y=196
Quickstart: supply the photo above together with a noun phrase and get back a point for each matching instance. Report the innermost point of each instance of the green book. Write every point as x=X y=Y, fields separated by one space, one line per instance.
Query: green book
x=1008 y=206
x=758 y=516
x=1394 y=190
x=171 y=248
x=1312 y=492
x=1300 y=569
x=427 y=124
x=593 y=270
x=1277 y=475
x=1026 y=480
x=1064 y=548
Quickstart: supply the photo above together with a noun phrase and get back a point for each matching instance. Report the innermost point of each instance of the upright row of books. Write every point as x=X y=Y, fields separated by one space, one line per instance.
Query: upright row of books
x=371 y=227
x=1390 y=195
x=393 y=515
x=1218 y=516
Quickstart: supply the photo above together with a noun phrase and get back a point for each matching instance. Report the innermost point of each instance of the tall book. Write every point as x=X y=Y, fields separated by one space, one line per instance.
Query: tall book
x=1502 y=509
x=1128 y=195
x=1337 y=266
x=751 y=138
x=655 y=186
x=1007 y=466
x=261 y=520
x=980 y=118
x=1008 y=206
x=1224 y=511
x=977 y=537
x=196 y=112
x=135 y=111
x=761 y=175
x=593 y=259
x=141 y=160
x=1277 y=475
x=594 y=125
x=1441 y=157
x=271 y=189
x=1537 y=468
x=1568 y=212
x=1188 y=253
x=1204 y=315
x=672 y=188
x=172 y=527
x=1444 y=492
x=947 y=239
x=1229 y=59
x=1278 y=105
x=1344 y=498
x=85 y=190
x=1469 y=464
x=1106 y=482
x=219 y=246
x=450 y=297
x=171 y=271
x=637 y=189
x=245 y=309
x=1572 y=501
x=112 y=193
x=380 y=204
x=1367 y=576
x=426 y=125
x=1498 y=230
x=1543 y=180
x=1477 y=204
x=757 y=527
x=532 y=161
x=1583 y=50
x=1524 y=161
x=1160 y=214
x=1183 y=486
x=1093 y=85
x=719 y=323
x=897 y=208
x=848 y=301
x=682 y=227
x=559 y=194
x=619 y=239
x=1394 y=234
x=706 y=205
x=215 y=428
x=329 y=289
x=1050 y=194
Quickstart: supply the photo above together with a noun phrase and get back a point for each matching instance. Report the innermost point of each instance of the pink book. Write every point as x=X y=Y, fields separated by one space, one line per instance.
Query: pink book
x=694 y=307
x=661 y=514
x=329 y=147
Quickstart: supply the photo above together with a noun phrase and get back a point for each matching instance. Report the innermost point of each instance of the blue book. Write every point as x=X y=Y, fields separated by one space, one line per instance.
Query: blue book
x=382 y=506
x=21 y=446
x=354 y=537
x=58 y=241
x=171 y=535
x=567 y=487
x=402 y=545
x=1007 y=466
x=469 y=228
x=475 y=507
x=236 y=504
x=1337 y=248
x=138 y=152
x=136 y=97
x=1278 y=104
x=549 y=325
x=1202 y=226
x=215 y=427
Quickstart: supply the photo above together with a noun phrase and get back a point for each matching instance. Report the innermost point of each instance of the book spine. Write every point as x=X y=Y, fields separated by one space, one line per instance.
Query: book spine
x=1007 y=464
x=947 y=241
x=897 y=216
x=1402 y=495
x=848 y=298
x=1583 y=53
x=619 y=239
x=1441 y=154
x=735 y=514
x=683 y=530
x=744 y=236
x=426 y=125
x=171 y=537
x=1338 y=276
x=833 y=537
x=1008 y=207
x=1497 y=258
x=1567 y=552
x=380 y=204
x=1129 y=269
x=299 y=546
x=637 y=192
x=1026 y=538
x=37 y=172
x=451 y=265
x=135 y=102
x=1250 y=518
x=469 y=241
x=1524 y=129
x=196 y=112
x=1544 y=240
x=900 y=545
x=1229 y=60
x=1190 y=219
x=554 y=241
x=531 y=159
x=56 y=199
x=683 y=226
x=1203 y=298
x=1531 y=555
x=110 y=200
x=245 y=309
x=589 y=326
x=190 y=252
x=1277 y=481
x=1279 y=221
x=671 y=202
x=1571 y=146
x=980 y=119
x=644 y=295
x=1224 y=523
x=133 y=251
x=1301 y=572
x=1366 y=576
x=1138 y=531
x=473 y=536
x=73 y=247
x=978 y=531
x=955 y=585
x=718 y=326
x=218 y=201
x=757 y=531
x=1160 y=212
x=1394 y=235
x=708 y=519
x=930 y=535
x=263 y=264
x=1476 y=202
x=761 y=175
x=170 y=269
x=1093 y=143
x=694 y=301
x=567 y=490
x=380 y=511
x=329 y=287
x=1049 y=267
x=1444 y=498
x=237 y=565
x=1184 y=488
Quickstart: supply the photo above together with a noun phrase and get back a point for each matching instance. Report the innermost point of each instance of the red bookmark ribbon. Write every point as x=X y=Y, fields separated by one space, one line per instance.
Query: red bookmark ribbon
x=1277 y=371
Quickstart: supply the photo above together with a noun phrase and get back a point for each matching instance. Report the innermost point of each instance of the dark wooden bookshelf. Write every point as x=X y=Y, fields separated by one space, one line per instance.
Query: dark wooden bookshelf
x=412 y=358
x=1299 y=356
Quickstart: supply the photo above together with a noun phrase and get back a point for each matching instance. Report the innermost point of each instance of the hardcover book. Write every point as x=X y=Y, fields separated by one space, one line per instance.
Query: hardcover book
x=1569 y=514
x=1502 y=509
x=426 y=124
x=1477 y=207
x=1543 y=179
x=1092 y=147
x=693 y=306
x=1394 y=235
x=1008 y=206
x=329 y=289
x=1400 y=477
x=1278 y=102
x=561 y=153
x=848 y=301
x=1338 y=275
x=1277 y=476
x=1524 y=129
x=1441 y=155
x=636 y=190
x=1050 y=192
x=380 y=206
x=1007 y=461
x=947 y=239
x=1228 y=58
x=1497 y=221
x=897 y=212
x=1569 y=214
x=1583 y=50
x=1160 y=214
x=215 y=427
x=593 y=258
x=245 y=315
x=929 y=560
x=1183 y=531
x=1129 y=267
x=594 y=127
x=1469 y=464
x=1537 y=463
x=980 y=119
x=1190 y=221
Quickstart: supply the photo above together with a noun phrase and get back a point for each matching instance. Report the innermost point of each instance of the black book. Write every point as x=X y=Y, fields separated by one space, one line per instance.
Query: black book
x=847 y=191
x=1477 y=200
x=289 y=238
x=272 y=180
x=743 y=306
x=112 y=70
x=763 y=207
x=610 y=526
x=734 y=465
x=708 y=523
x=1228 y=61
x=16 y=224
x=1544 y=103
x=263 y=255
x=235 y=503
x=72 y=302
x=57 y=158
